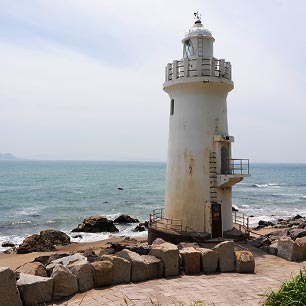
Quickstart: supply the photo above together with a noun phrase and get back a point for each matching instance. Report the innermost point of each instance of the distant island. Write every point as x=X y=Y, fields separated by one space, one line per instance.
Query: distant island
x=7 y=156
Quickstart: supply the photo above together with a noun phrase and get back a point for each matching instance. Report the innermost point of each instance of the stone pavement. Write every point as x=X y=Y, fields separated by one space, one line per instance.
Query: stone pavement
x=217 y=289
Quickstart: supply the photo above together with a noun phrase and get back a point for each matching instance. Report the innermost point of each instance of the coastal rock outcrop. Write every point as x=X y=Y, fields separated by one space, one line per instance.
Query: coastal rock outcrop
x=44 y=242
x=96 y=224
x=9 y=294
x=126 y=219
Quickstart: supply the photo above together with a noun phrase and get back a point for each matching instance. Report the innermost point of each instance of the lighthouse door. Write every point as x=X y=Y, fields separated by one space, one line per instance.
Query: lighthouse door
x=216 y=226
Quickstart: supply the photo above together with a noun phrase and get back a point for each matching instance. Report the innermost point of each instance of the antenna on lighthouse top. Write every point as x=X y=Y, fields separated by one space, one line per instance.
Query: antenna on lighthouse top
x=197 y=17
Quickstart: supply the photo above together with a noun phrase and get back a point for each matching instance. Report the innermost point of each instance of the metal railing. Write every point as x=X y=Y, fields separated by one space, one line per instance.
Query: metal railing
x=238 y=166
x=199 y=67
x=157 y=217
x=242 y=220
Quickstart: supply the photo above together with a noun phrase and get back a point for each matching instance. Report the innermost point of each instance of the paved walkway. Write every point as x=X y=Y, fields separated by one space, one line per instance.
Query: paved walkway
x=218 y=289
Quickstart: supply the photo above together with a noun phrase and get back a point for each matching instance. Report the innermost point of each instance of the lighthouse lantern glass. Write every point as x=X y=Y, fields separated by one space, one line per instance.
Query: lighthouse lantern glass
x=188 y=48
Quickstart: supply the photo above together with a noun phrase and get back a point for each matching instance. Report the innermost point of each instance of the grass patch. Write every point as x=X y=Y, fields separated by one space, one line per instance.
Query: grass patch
x=292 y=292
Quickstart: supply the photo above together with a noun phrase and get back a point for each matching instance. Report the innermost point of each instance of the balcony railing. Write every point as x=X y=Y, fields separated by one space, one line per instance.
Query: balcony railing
x=199 y=67
x=238 y=167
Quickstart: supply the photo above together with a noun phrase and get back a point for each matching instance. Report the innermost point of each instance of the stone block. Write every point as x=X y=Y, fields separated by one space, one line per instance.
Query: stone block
x=103 y=273
x=34 y=289
x=33 y=268
x=169 y=254
x=209 y=260
x=273 y=248
x=191 y=260
x=84 y=273
x=9 y=294
x=245 y=262
x=290 y=250
x=138 y=266
x=226 y=255
x=154 y=266
x=121 y=268
x=64 y=282
x=302 y=243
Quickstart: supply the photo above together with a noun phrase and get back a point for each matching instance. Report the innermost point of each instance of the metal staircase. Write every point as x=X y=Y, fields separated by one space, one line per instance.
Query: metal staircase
x=213 y=177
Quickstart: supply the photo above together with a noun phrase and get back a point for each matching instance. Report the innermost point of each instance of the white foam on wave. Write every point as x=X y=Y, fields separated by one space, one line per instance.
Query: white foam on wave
x=271 y=185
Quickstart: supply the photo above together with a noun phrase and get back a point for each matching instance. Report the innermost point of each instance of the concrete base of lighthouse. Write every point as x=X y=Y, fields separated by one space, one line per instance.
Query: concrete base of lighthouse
x=155 y=231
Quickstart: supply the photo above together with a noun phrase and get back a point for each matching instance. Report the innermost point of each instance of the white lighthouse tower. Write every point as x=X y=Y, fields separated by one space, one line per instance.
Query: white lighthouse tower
x=200 y=168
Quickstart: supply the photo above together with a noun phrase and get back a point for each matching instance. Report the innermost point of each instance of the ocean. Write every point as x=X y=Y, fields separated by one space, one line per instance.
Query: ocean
x=37 y=195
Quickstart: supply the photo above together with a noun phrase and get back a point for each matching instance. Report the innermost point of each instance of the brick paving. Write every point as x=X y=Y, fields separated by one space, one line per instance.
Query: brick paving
x=218 y=289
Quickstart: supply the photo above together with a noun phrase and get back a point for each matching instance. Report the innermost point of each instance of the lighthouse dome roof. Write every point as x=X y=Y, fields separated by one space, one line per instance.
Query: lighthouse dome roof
x=198 y=29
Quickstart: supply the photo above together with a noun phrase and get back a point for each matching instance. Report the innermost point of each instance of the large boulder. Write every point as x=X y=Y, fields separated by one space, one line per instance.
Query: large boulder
x=9 y=294
x=245 y=262
x=302 y=243
x=84 y=273
x=34 y=243
x=56 y=237
x=34 y=289
x=96 y=224
x=126 y=219
x=64 y=282
x=141 y=249
x=290 y=250
x=209 y=260
x=138 y=266
x=44 y=242
x=33 y=268
x=226 y=255
x=103 y=273
x=121 y=268
x=191 y=260
x=154 y=266
x=169 y=254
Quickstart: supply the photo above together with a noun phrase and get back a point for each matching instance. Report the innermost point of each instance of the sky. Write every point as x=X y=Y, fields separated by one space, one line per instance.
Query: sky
x=82 y=80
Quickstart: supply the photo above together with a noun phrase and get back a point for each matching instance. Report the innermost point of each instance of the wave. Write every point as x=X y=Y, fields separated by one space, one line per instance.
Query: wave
x=266 y=185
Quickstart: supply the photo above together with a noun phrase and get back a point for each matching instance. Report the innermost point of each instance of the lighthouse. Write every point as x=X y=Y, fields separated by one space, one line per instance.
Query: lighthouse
x=200 y=169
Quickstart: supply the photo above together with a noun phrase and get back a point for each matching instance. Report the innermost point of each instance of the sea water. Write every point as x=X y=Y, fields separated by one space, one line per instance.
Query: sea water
x=37 y=195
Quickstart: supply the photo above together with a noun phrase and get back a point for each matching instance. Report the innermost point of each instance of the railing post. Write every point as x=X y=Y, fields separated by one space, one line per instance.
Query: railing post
x=212 y=67
x=222 y=69
x=199 y=67
x=186 y=70
x=174 y=70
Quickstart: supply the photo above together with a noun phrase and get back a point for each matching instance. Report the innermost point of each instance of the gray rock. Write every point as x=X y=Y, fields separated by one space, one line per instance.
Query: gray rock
x=34 y=289
x=154 y=266
x=121 y=268
x=33 y=268
x=245 y=262
x=290 y=250
x=191 y=260
x=141 y=249
x=138 y=270
x=64 y=282
x=226 y=255
x=9 y=294
x=65 y=261
x=295 y=233
x=84 y=273
x=209 y=260
x=103 y=273
x=169 y=254
x=96 y=224
x=273 y=248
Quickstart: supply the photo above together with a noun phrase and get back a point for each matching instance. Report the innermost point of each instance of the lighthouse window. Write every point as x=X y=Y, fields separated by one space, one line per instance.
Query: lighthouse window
x=188 y=48
x=172 y=107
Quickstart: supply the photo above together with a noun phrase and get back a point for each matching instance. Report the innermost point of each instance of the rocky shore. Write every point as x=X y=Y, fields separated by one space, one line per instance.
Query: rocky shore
x=286 y=238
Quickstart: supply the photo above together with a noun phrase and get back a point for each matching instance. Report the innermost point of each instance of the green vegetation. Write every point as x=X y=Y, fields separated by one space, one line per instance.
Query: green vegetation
x=291 y=292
